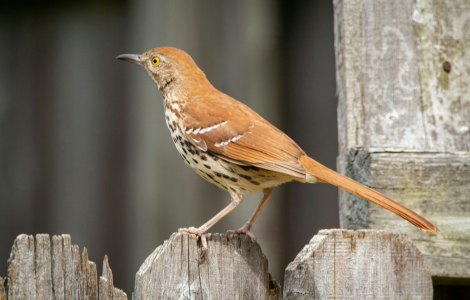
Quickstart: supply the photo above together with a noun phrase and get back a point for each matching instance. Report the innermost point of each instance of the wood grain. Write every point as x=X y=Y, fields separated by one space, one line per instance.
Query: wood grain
x=44 y=275
x=41 y=269
x=403 y=120
x=21 y=271
x=436 y=185
x=233 y=268
x=393 y=91
x=363 y=264
x=441 y=33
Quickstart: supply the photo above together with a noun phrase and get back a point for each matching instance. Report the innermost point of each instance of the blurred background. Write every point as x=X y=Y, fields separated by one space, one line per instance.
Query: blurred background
x=84 y=148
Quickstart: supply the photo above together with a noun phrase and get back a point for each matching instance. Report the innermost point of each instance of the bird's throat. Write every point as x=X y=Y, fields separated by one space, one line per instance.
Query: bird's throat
x=168 y=84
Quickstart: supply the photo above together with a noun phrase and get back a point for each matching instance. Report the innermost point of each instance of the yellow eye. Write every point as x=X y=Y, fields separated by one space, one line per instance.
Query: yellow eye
x=155 y=61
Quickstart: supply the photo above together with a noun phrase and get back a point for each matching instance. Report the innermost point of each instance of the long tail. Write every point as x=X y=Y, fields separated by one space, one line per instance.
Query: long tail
x=323 y=173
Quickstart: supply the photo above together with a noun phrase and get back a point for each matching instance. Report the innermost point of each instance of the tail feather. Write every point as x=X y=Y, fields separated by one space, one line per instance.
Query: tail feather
x=325 y=174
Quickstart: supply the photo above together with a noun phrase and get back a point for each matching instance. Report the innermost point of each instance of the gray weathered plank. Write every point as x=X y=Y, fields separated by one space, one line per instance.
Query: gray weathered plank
x=393 y=91
x=77 y=287
x=363 y=264
x=89 y=276
x=436 y=185
x=43 y=267
x=70 y=279
x=21 y=272
x=442 y=35
x=57 y=268
x=39 y=269
x=233 y=268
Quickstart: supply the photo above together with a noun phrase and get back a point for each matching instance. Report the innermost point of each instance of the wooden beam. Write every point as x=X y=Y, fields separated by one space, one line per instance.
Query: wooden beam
x=436 y=185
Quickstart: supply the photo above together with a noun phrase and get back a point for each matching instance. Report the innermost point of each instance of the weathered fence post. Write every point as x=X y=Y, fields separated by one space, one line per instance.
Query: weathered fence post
x=233 y=268
x=343 y=264
x=362 y=264
x=39 y=269
x=403 y=78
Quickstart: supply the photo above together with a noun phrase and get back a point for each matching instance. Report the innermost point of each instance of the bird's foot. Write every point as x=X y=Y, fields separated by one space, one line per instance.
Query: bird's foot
x=200 y=232
x=244 y=230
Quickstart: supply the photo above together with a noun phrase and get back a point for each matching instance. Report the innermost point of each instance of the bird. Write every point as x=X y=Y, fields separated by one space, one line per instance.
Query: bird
x=231 y=146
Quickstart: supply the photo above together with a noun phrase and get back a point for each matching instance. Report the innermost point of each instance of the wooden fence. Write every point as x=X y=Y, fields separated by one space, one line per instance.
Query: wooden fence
x=336 y=264
x=403 y=79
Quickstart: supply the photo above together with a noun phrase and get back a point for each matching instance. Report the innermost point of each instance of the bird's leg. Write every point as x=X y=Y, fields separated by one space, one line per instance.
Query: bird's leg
x=201 y=231
x=246 y=228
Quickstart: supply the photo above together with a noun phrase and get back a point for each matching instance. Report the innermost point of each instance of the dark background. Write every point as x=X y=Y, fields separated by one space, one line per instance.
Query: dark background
x=84 y=148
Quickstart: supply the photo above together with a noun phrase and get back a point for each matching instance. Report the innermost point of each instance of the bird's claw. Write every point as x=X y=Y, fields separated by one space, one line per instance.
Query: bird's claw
x=244 y=230
x=200 y=233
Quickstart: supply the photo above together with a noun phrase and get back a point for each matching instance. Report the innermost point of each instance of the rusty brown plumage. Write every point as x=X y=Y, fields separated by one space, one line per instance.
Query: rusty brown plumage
x=241 y=151
x=242 y=137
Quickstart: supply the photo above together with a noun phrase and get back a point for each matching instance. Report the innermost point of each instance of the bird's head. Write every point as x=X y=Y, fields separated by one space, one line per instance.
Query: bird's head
x=168 y=67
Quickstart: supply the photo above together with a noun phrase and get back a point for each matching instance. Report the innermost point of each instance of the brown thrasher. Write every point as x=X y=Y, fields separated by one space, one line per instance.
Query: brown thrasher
x=231 y=146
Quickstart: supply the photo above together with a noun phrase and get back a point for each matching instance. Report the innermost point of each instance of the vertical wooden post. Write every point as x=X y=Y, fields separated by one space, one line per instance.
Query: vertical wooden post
x=233 y=268
x=403 y=73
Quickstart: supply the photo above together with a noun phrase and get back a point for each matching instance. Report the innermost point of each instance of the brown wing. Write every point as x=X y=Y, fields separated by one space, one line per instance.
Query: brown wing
x=232 y=131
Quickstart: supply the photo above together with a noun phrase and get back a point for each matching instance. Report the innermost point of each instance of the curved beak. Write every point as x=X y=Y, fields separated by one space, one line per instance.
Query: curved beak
x=133 y=58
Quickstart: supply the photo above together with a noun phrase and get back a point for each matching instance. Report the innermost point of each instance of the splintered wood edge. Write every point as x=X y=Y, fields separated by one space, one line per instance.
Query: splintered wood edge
x=107 y=291
x=49 y=268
